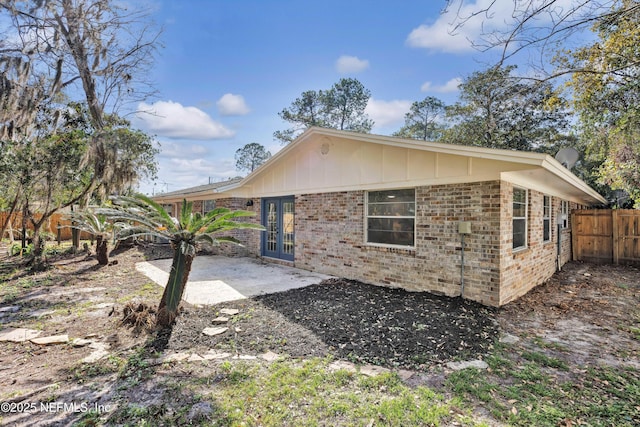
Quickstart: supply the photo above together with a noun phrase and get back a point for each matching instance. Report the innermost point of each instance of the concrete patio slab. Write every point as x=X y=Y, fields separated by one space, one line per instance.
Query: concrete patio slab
x=216 y=279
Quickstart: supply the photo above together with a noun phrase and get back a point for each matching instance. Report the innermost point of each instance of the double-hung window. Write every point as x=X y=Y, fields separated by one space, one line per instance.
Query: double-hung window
x=546 y=218
x=520 y=199
x=391 y=217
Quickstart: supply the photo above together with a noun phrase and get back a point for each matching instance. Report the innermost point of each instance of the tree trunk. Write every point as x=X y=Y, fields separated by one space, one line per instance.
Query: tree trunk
x=101 y=251
x=172 y=295
x=39 y=264
x=14 y=203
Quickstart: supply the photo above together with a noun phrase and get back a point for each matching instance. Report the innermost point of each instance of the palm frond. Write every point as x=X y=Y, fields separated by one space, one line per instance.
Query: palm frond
x=186 y=214
x=226 y=225
x=207 y=239
x=229 y=239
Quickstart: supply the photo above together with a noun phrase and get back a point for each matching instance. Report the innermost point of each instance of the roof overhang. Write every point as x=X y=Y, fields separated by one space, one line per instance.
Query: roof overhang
x=536 y=171
x=546 y=173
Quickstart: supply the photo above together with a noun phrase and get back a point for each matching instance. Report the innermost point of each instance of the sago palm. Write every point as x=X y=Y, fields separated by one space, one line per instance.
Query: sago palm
x=96 y=224
x=138 y=215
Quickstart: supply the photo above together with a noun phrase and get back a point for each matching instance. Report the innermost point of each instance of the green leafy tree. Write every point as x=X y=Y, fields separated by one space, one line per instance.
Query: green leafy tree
x=340 y=107
x=345 y=103
x=53 y=172
x=499 y=110
x=606 y=94
x=304 y=112
x=99 y=47
x=251 y=156
x=139 y=215
x=424 y=120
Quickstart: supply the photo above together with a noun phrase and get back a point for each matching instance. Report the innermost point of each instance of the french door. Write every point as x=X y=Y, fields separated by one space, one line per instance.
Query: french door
x=278 y=218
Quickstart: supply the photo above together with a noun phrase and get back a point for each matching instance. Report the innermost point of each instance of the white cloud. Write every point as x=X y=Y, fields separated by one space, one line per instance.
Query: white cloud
x=442 y=36
x=232 y=105
x=386 y=113
x=478 y=19
x=351 y=64
x=448 y=87
x=177 y=149
x=173 y=120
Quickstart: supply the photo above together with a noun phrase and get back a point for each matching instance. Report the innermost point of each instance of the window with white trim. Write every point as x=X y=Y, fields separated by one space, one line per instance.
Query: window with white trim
x=564 y=209
x=546 y=219
x=391 y=217
x=520 y=201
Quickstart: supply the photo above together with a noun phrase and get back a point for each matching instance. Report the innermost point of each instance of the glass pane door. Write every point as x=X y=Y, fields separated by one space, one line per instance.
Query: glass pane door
x=278 y=217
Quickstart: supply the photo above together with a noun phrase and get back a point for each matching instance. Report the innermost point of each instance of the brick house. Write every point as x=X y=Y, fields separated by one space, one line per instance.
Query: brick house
x=393 y=212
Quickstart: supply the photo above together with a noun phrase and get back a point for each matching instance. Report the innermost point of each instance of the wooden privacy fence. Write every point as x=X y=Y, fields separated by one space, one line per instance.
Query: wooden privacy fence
x=56 y=224
x=606 y=236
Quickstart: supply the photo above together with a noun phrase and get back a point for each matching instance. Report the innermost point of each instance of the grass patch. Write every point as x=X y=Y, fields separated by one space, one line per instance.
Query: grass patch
x=551 y=345
x=85 y=371
x=309 y=393
x=544 y=360
x=542 y=392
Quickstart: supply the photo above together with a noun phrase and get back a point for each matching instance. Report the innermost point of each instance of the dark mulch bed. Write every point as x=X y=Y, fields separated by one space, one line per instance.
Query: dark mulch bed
x=349 y=320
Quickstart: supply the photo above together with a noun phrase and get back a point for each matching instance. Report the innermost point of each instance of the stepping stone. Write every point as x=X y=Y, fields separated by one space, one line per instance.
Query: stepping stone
x=41 y=313
x=342 y=364
x=95 y=356
x=269 y=356
x=373 y=371
x=458 y=366
x=405 y=374
x=19 y=334
x=99 y=345
x=229 y=311
x=220 y=319
x=176 y=357
x=80 y=342
x=509 y=339
x=212 y=354
x=54 y=339
x=245 y=357
x=214 y=331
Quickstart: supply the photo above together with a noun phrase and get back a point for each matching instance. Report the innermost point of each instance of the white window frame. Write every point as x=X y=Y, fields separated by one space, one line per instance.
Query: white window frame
x=520 y=218
x=546 y=219
x=564 y=212
x=367 y=216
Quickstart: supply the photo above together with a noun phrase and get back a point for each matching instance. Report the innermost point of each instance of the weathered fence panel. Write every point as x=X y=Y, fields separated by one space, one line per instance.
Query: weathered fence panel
x=606 y=236
x=57 y=226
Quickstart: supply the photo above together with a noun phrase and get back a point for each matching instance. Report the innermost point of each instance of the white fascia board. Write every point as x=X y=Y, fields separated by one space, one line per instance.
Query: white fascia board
x=553 y=166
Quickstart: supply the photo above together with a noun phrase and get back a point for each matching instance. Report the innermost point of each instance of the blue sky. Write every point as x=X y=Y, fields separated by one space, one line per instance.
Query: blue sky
x=229 y=66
